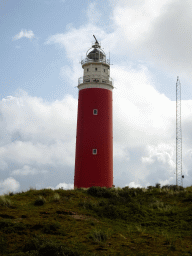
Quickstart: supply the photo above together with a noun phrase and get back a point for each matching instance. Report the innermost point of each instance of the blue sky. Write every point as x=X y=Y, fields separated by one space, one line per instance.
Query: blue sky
x=42 y=43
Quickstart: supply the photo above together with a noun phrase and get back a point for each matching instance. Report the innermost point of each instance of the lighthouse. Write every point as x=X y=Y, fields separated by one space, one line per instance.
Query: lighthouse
x=94 y=135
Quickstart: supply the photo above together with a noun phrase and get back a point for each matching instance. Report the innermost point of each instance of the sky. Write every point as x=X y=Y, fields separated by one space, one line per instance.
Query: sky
x=42 y=44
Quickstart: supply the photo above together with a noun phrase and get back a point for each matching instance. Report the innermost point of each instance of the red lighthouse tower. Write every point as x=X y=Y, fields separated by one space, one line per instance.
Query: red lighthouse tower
x=94 y=138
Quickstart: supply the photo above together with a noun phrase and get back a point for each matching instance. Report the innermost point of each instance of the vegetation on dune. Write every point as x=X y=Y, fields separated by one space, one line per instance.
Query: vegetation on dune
x=97 y=221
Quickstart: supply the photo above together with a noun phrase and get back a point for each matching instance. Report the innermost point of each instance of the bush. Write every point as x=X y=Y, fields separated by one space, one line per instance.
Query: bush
x=4 y=201
x=56 y=197
x=102 y=192
x=129 y=192
x=3 y=244
x=46 y=247
x=173 y=188
x=158 y=185
x=46 y=192
x=188 y=198
x=98 y=235
x=51 y=227
x=40 y=201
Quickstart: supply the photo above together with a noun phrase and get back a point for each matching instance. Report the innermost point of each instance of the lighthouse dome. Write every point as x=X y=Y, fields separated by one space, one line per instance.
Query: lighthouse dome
x=96 y=54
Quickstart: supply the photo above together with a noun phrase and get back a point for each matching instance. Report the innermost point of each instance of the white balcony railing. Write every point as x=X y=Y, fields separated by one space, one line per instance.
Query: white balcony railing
x=87 y=60
x=86 y=79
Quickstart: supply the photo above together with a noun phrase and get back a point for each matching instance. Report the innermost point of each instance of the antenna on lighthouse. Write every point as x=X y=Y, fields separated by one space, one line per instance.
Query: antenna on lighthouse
x=95 y=40
x=179 y=175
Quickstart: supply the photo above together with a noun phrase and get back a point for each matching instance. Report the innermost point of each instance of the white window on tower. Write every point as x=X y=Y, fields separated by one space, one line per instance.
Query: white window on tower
x=94 y=151
x=95 y=111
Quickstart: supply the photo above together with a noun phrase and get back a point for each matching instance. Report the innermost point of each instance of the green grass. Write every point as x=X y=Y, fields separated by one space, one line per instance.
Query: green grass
x=97 y=221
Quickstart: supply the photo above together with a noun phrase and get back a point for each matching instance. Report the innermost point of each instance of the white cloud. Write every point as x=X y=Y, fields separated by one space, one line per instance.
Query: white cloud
x=134 y=185
x=163 y=153
x=37 y=137
x=142 y=114
x=157 y=30
x=136 y=20
x=9 y=185
x=27 y=170
x=63 y=185
x=93 y=14
x=24 y=33
x=41 y=132
x=171 y=45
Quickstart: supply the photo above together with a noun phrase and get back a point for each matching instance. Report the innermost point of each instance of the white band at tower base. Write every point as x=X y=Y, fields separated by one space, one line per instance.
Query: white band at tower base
x=94 y=85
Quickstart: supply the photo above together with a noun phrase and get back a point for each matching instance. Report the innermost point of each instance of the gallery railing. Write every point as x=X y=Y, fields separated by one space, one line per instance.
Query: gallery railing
x=87 y=79
x=87 y=60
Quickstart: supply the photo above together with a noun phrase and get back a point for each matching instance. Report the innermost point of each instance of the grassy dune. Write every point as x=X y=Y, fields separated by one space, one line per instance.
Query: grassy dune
x=97 y=221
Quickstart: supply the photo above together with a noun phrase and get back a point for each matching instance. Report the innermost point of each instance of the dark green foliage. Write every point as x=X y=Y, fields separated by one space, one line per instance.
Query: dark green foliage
x=47 y=192
x=109 y=211
x=130 y=192
x=77 y=223
x=98 y=236
x=50 y=228
x=40 y=201
x=3 y=243
x=45 y=247
x=157 y=185
x=113 y=193
x=102 y=192
x=173 y=187
x=188 y=198
x=8 y=227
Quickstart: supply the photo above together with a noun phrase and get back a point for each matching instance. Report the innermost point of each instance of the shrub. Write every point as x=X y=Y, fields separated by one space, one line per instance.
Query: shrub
x=129 y=192
x=158 y=185
x=46 y=192
x=46 y=247
x=112 y=211
x=3 y=244
x=188 y=198
x=157 y=204
x=98 y=235
x=4 y=201
x=51 y=227
x=102 y=203
x=102 y=192
x=56 y=197
x=40 y=201
x=173 y=188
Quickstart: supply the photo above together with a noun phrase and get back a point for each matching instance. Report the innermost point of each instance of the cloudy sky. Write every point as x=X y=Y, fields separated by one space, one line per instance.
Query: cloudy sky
x=42 y=43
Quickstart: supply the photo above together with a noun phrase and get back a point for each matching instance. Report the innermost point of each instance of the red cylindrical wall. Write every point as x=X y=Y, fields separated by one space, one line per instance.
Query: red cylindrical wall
x=94 y=132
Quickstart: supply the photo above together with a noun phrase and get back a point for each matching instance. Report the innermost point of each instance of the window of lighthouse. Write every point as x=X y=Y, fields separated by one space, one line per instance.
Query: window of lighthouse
x=94 y=151
x=95 y=111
